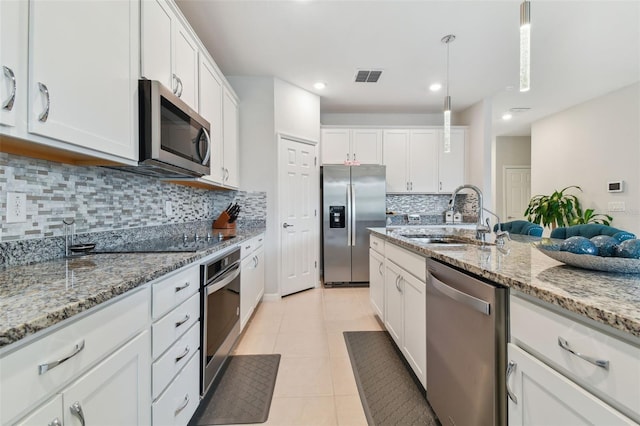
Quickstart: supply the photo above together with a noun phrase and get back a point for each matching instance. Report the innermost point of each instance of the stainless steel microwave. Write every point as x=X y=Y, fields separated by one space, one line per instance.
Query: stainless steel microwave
x=174 y=139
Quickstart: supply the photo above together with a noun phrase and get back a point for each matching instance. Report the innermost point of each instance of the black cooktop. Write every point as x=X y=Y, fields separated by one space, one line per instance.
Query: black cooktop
x=165 y=245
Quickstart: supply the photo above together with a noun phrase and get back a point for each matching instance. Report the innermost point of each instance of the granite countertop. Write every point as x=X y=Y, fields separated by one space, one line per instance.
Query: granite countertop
x=608 y=298
x=34 y=297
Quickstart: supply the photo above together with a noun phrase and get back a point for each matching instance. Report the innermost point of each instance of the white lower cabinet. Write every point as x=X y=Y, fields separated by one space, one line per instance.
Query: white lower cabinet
x=376 y=283
x=115 y=392
x=405 y=315
x=179 y=402
x=568 y=372
x=251 y=277
x=49 y=413
x=540 y=395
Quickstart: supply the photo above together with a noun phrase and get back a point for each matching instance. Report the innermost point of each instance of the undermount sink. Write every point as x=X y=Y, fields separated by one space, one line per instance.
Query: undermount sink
x=434 y=239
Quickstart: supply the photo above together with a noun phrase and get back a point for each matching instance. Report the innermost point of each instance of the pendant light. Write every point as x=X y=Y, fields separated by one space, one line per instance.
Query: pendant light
x=525 y=45
x=447 y=101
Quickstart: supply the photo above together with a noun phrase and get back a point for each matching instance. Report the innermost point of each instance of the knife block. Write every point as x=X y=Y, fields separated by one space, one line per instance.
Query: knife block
x=222 y=225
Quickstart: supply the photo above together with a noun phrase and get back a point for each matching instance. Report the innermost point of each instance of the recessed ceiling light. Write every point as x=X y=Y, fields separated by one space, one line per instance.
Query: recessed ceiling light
x=435 y=87
x=507 y=116
x=319 y=85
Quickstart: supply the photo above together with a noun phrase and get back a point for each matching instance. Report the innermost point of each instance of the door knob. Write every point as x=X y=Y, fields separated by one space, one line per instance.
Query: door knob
x=286 y=225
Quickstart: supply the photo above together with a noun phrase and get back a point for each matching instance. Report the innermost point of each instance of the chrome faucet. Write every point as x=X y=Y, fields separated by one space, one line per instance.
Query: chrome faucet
x=500 y=234
x=481 y=228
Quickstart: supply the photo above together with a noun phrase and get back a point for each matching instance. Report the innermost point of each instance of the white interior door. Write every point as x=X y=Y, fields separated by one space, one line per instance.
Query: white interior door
x=517 y=192
x=298 y=202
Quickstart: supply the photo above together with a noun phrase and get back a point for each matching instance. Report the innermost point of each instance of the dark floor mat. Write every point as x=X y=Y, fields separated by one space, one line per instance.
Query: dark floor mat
x=243 y=394
x=389 y=391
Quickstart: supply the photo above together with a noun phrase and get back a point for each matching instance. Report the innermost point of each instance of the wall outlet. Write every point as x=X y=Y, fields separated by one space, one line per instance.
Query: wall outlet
x=616 y=206
x=168 y=208
x=16 y=207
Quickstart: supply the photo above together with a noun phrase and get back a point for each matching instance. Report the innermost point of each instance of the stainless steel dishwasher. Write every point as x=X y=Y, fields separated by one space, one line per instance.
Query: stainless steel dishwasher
x=466 y=347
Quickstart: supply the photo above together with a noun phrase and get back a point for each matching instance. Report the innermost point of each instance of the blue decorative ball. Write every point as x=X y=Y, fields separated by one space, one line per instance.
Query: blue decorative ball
x=629 y=249
x=579 y=245
x=623 y=236
x=606 y=245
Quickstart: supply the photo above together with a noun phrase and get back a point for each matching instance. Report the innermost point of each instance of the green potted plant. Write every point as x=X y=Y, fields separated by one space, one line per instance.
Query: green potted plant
x=560 y=209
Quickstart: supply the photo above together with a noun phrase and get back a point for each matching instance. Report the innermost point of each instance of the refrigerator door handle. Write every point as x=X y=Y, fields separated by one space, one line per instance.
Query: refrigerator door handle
x=353 y=215
x=349 y=215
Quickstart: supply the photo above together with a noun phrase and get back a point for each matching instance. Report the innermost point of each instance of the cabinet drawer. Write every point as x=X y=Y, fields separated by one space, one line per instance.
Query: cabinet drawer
x=175 y=324
x=376 y=243
x=178 y=403
x=101 y=332
x=411 y=262
x=246 y=247
x=174 y=290
x=539 y=330
x=165 y=368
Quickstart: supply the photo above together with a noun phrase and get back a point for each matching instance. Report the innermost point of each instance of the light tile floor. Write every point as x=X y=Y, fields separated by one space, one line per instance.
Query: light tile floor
x=315 y=384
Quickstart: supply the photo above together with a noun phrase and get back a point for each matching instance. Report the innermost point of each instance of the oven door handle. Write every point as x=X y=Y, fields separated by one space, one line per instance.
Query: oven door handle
x=231 y=274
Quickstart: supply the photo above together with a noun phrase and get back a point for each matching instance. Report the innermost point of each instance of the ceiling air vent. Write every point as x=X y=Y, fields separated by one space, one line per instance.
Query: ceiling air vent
x=368 y=76
x=518 y=110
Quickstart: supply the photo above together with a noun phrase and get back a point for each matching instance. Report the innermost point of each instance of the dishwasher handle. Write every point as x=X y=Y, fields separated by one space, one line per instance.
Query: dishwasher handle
x=472 y=302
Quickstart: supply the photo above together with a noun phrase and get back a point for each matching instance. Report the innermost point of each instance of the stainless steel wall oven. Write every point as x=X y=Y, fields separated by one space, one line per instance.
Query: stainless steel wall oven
x=219 y=313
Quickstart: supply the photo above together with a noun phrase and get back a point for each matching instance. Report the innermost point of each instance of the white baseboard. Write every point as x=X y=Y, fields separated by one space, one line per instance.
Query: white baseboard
x=271 y=297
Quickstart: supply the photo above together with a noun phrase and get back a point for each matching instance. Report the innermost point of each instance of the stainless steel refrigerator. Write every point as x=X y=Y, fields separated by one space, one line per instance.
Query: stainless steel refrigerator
x=353 y=199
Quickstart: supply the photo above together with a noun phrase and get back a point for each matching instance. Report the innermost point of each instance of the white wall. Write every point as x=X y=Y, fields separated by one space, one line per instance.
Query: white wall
x=478 y=152
x=509 y=151
x=297 y=112
x=258 y=158
x=269 y=106
x=588 y=145
x=381 y=119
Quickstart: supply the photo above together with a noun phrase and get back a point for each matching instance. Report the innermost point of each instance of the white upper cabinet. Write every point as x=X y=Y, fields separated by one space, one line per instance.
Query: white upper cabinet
x=156 y=31
x=411 y=160
x=13 y=76
x=185 y=68
x=358 y=145
x=423 y=161
x=169 y=51
x=83 y=73
x=451 y=164
x=230 y=137
x=210 y=99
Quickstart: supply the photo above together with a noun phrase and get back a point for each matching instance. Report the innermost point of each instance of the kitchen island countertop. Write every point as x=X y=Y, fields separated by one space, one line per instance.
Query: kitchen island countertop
x=608 y=298
x=36 y=296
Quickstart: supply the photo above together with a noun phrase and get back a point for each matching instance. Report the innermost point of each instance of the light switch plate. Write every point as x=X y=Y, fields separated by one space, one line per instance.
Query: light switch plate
x=168 y=208
x=16 y=207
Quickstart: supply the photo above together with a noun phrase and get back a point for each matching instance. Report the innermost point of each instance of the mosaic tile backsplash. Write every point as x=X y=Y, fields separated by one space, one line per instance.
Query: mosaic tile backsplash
x=101 y=199
x=432 y=204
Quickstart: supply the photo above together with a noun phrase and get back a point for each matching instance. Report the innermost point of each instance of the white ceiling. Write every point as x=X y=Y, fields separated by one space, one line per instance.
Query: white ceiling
x=580 y=49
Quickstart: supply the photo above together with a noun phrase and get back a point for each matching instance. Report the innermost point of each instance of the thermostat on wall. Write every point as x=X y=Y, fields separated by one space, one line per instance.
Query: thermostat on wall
x=616 y=186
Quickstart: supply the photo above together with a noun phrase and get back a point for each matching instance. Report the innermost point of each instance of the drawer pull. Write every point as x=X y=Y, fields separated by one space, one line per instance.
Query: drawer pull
x=55 y=422
x=43 y=368
x=598 y=362
x=183 y=354
x=187 y=284
x=76 y=410
x=182 y=406
x=186 y=318
x=510 y=369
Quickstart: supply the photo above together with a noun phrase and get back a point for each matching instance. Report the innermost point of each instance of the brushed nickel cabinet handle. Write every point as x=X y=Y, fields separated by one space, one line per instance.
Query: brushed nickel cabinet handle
x=44 y=115
x=55 y=422
x=76 y=410
x=510 y=369
x=183 y=354
x=380 y=269
x=8 y=104
x=43 y=368
x=182 y=406
x=182 y=287
x=597 y=362
x=186 y=318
